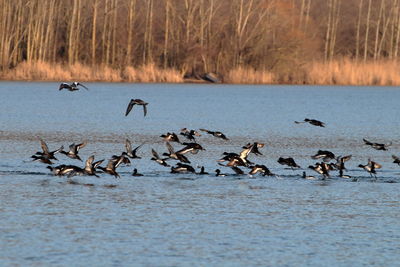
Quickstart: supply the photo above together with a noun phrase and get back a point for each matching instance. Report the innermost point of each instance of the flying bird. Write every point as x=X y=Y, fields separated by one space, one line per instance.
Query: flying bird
x=46 y=154
x=376 y=146
x=312 y=122
x=321 y=168
x=325 y=155
x=73 y=151
x=261 y=169
x=190 y=147
x=182 y=168
x=156 y=158
x=136 y=102
x=42 y=159
x=132 y=152
x=64 y=170
x=170 y=137
x=215 y=133
x=189 y=134
x=254 y=147
x=90 y=166
x=289 y=162
x=371 y=167
x=111 y=167
x=122 y=159
x=71 y=87
x=340 y=164
x=235 y=159
x=174 y=155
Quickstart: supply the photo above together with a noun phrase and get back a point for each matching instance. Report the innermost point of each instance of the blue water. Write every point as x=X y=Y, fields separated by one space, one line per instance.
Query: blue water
x=163 y=219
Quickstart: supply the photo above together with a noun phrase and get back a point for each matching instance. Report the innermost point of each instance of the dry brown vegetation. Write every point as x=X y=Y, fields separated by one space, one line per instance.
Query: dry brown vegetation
x=244 y=41
x=57 y=72
x=346 y=72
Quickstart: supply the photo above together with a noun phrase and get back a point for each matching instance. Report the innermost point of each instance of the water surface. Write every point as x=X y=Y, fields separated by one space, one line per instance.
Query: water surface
x=166 y=219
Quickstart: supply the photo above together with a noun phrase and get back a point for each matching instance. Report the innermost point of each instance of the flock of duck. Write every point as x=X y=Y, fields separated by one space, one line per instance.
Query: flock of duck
x=238 y=162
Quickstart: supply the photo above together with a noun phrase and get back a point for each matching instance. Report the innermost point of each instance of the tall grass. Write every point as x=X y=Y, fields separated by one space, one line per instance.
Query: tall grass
x=151 y=73
x=43 y=71
x=349 y=72
x=249 y=76
x=339 y=72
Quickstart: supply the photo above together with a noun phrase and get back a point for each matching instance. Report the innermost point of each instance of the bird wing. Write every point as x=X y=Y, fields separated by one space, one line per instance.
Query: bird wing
x=136 y=149
x=73 y=148
x=145 y=110
x=81 y=145
x=291 y=162
x=89 y=161
x=170 y=148
x=175 y=137
x=64 y=85
x=223 y=136
x=97 y=163
x=320 y=154
x=58 y=150
x=346 y=158
x=395 y=158
x=120 y=160
x=83 y=86
x=245 y=152
x=367 y=142
x=377 y=165
x=183 y=158
x=264 y=168
x=155 y=154
x=316 y=122
x=44 y=146
x=128 y=145
x=130 y=106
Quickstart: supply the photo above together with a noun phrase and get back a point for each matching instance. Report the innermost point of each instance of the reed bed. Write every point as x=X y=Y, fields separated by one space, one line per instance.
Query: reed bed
x=349 y=72
x=43 y=71
x=339 y=72
x=249 y=76
x=151 y=73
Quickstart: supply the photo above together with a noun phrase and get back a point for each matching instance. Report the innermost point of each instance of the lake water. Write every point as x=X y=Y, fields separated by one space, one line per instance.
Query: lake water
x=163 y=219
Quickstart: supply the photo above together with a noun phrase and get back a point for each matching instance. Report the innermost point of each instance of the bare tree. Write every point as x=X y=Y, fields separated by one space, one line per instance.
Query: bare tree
x=360 y=6
x=367 y=30
x=131 y=21
x=94 y=31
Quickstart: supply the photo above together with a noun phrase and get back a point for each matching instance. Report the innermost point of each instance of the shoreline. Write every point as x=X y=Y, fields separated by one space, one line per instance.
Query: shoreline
x=343 y=72
x=191 y=81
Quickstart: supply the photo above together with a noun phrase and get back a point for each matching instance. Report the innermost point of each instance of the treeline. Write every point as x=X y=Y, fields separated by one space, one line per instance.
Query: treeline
x=197 y=36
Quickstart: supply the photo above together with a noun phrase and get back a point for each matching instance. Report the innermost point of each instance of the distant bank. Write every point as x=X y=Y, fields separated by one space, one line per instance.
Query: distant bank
x=339 y=72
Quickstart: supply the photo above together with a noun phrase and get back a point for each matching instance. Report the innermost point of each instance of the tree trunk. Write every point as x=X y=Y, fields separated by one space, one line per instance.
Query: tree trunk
x=166 y=33
x=367 y=31
x=131 y=21
x=94 y=32
x=358 y=29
